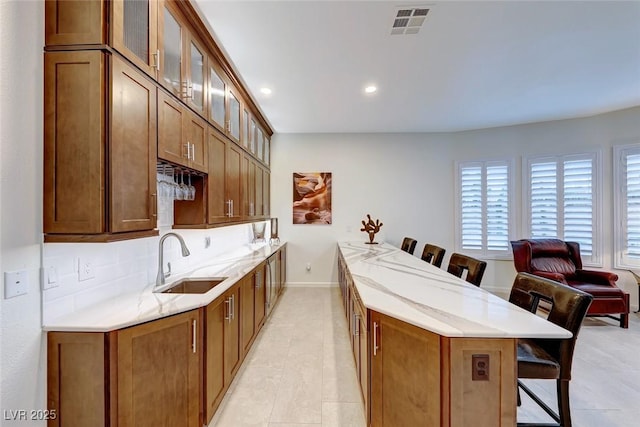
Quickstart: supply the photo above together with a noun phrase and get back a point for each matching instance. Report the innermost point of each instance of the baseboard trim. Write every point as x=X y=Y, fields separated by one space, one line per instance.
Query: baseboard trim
x=312 y=284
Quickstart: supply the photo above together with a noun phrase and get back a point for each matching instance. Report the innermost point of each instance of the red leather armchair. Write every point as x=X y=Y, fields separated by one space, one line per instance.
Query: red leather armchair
x=560 y=261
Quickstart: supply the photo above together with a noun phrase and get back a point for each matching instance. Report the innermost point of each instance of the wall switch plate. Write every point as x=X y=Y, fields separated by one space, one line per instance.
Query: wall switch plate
x=85 y=269
x=480 y=367
x=15 y=283
x=50 y=278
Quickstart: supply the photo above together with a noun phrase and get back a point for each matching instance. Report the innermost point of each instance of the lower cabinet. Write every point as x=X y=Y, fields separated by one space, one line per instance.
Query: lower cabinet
x=172 y=371
x=151 y=391
x=405 y=374
x=247 y=324
x=127 y=377
x=418 y=377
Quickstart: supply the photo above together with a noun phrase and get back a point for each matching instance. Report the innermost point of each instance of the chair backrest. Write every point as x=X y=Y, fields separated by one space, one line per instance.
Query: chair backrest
x=433 y=254
x=458 y=263
x=548 y=255
x=568 y=308
x=409 y=245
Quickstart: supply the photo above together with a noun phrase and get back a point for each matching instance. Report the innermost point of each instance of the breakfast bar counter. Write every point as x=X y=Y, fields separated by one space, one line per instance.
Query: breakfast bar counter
x=430 y=348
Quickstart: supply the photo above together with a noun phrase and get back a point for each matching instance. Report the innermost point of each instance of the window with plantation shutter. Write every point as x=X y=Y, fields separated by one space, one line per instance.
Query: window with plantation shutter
x=627 y=205
x=561 y=201
x=484 y=208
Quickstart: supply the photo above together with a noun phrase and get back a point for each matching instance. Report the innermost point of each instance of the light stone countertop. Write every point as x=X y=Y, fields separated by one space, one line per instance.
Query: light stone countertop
x=145 y=305
x=402 y=286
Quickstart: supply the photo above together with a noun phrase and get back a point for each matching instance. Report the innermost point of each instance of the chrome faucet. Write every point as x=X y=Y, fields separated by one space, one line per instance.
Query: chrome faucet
x=161 y=273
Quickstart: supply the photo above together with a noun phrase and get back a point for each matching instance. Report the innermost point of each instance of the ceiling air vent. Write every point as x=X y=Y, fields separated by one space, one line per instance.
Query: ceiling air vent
x=409 y=20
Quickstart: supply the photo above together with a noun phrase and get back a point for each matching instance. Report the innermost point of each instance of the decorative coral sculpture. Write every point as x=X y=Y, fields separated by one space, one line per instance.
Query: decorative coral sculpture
x=371 y=228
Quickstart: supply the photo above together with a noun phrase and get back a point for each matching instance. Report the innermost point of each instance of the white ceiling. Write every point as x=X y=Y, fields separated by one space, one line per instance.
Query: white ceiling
x=474 y=64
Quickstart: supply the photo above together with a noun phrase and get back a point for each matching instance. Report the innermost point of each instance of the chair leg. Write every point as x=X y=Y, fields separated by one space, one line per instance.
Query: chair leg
x=624 y=317
x=563 y=403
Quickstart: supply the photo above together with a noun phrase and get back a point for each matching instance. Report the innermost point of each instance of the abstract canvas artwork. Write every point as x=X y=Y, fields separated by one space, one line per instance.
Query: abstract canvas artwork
x=312 y=197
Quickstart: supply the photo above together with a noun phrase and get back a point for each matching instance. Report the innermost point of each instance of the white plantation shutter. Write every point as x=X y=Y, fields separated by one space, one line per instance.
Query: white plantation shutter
x=578 y=204
x=484 y=213
x=471 y=207
x=627 y=205
x=497 y=208
x=544 y=200
x=562 y=201
x=633 y=206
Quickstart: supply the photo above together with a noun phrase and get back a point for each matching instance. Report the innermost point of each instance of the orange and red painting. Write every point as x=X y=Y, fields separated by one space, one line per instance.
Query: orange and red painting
x=312 y=198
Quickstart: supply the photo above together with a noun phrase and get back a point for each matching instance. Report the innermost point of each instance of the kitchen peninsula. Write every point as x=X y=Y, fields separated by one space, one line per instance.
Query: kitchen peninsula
x=430 y=348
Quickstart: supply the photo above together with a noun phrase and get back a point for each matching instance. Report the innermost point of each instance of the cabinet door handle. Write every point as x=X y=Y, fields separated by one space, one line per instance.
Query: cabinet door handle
x=156 y=61
x=227 y=311
x=154 y=203
x=356 y=324
x=194 y=329
x=232 y=209
x=233 y=307
x=375 y=338
x=193 y=152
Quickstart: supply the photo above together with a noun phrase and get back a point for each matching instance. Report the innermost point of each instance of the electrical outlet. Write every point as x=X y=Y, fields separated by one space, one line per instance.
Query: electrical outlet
x=15 y=283
x=480 y=367
x=207 y=242
x=85 y=270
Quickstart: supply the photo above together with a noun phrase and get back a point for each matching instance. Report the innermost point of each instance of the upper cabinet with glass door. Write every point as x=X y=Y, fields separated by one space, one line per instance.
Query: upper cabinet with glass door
x=135 y=32
x=195 y=70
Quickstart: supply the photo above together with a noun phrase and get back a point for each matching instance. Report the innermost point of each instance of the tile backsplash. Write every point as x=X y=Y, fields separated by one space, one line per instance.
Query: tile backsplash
x=126 y=266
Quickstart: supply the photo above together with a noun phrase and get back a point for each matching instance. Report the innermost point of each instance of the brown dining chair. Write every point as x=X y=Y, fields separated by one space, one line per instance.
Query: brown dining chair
x=409 y=245
x=433 y=254
x=458 y=263
x=549 y=358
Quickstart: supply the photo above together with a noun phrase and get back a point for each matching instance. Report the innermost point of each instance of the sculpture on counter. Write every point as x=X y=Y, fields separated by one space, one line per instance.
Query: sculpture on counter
x=371 y=228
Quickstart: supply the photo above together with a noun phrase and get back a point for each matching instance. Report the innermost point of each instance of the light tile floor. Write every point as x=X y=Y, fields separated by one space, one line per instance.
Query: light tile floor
x=300 y=372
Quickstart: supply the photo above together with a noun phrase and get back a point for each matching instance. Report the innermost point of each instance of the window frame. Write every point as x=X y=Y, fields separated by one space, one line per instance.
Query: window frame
x=595 y=259
x=620 y=260
x=486 y=253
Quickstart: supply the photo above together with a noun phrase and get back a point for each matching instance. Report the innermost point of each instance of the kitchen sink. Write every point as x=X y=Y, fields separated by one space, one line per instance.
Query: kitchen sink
x=194 y=286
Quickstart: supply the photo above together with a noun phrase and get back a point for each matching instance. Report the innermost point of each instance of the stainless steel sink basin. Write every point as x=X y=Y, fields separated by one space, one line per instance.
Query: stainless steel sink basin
x=194 y=286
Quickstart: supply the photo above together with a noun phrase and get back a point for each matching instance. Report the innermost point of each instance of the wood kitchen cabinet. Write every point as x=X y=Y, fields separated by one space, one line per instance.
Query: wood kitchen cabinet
x=144 y=375
x=224 y=180
x=151 y=391
x=131 y=82
x=247 y=312
x=99 y=148
x=260 y=297
x=214 y=372
x=232 y=346
x=405 y=374
x=182 y=135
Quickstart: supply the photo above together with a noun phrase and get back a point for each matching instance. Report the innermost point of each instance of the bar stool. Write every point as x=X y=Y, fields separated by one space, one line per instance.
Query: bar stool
x=433 y=254
x=549 y=358
x=409 y=245
x=458 y=263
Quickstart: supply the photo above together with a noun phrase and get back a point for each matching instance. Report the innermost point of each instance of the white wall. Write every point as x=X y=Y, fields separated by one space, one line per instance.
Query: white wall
x=22 y=361
x=407 y=180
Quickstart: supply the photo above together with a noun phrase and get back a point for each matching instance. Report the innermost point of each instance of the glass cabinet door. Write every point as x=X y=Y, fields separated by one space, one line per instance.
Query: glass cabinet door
x=246 y=135
x=252 y=146
x=135 y=32
x=259 y=142
x=267 y=150
x=171 y=53
x=195 y=94
x=234 y=116
x=217 y=90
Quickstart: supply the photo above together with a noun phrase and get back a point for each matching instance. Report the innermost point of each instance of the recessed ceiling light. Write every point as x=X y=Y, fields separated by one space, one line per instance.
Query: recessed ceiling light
x=370 y=89
x=265 y=90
